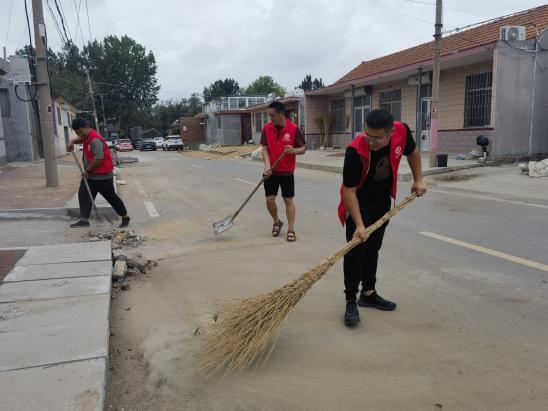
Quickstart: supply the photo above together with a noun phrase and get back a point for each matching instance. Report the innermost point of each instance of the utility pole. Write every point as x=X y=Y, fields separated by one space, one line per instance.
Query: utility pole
x=93 y=103
x=434 y=122
x=418 y=120
x=45 y=108
x=104 y=118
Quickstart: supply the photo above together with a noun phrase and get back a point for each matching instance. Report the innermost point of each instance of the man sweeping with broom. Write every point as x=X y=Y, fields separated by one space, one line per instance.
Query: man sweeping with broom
x=98 y=173
x=370 y=177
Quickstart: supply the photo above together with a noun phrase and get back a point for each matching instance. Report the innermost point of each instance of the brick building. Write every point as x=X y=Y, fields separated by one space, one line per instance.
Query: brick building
x=487 y=86
x=191 y=129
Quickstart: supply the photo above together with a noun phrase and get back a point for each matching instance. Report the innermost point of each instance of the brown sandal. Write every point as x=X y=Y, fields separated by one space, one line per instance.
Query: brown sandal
x=291 y=237
x=277 y=228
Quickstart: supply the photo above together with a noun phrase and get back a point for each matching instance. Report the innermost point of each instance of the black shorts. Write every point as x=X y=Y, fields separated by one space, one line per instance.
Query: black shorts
x=287 y=182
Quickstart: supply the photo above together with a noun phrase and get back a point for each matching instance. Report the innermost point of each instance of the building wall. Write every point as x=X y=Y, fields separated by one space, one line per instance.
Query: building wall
x=3 y=159
x=63 y=129
x=191 y=130
x=539 y=144
x=211 y=130
x=229 y=134
x=521 y=118
x=232 y=130
x=316 y=106
x=452 y=93
x=18 y=132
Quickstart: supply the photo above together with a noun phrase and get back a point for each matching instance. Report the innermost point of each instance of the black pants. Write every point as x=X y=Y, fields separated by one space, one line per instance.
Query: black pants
x=360 y=264
x=106 y=189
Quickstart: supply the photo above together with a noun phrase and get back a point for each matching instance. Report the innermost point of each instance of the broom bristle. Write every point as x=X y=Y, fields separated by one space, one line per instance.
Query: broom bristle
x=245 y=331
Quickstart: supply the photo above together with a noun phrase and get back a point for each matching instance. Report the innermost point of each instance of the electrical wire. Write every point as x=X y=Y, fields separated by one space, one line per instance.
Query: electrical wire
x=9 y=22
x=61 y=16
x=89 y=25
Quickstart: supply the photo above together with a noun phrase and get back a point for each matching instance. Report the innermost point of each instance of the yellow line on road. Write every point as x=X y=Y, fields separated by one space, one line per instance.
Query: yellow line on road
x=488 y=251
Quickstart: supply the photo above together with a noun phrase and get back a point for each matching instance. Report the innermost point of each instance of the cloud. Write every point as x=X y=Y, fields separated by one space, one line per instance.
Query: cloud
x=196 y=43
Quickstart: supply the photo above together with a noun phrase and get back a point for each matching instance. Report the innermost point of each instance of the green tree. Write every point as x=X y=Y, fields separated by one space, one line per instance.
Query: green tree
x=221 y=88
x=309 y=84
x=125 y=74
x=265 y=85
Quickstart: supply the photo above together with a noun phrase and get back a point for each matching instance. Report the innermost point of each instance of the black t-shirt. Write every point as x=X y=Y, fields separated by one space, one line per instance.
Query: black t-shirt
x=378 y=183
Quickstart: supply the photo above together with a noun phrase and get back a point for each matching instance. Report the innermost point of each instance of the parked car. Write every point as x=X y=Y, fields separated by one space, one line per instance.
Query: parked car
x=124 y=145
x=159 y=141
x=148 y=144
x=173 y=143
x=137 y=143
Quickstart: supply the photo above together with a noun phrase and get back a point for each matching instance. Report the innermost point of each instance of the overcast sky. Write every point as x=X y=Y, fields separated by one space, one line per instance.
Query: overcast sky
x=198 y=42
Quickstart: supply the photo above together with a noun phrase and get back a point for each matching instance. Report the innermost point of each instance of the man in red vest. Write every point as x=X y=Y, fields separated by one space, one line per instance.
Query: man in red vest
x=98 y=170
x=281 y=135
x=370 y=176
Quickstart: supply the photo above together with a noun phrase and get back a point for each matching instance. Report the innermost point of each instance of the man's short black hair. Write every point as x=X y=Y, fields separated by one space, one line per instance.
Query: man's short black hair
x=78 y=123
x=379 y=119
x=276 y=105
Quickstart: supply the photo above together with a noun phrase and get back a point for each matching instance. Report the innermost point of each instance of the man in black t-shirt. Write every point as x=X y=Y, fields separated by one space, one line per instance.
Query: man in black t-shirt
x=367 y=197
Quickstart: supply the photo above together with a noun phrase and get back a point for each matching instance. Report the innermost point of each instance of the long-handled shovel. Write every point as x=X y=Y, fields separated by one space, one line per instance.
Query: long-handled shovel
x=227 y=222
x=88 y=189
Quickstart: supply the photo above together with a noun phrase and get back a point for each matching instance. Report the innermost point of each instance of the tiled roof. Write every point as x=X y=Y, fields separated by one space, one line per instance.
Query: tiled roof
x=488 y=33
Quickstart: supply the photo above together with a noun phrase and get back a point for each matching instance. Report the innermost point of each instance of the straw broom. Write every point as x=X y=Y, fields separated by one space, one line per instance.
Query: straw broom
x=244 y=332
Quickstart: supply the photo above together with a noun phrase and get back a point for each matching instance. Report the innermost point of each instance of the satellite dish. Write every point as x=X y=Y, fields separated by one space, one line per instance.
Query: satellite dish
x=270 y=97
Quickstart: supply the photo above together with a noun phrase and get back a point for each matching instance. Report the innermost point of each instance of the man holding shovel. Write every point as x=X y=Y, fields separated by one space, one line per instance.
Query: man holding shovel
x=370 y=177
x=281 y=136
x=98 y=171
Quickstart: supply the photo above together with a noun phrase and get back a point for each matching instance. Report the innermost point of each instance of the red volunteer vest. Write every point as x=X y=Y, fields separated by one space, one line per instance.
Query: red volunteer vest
x=397 y=144
x=106 y=165
x=277 y=142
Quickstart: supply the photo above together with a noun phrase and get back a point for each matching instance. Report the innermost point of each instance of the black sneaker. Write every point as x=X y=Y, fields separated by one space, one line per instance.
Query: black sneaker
x=375 y=300
x=351 y=315
x=80 y=223
x=125 y=222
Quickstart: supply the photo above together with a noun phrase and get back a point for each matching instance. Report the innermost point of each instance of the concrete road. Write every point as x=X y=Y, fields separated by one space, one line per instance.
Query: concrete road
x=469 y=273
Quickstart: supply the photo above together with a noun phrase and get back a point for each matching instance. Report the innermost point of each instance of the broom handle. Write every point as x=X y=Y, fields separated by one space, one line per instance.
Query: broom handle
x=87 y=186
x=369 y=230
x=257 y=186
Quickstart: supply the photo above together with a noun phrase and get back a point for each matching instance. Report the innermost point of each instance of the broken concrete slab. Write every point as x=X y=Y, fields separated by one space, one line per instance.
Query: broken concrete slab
x=119 y=270
x=78 y=386
x=67 y=253
x=60 y=288
x=36 y=333
x=61 y=270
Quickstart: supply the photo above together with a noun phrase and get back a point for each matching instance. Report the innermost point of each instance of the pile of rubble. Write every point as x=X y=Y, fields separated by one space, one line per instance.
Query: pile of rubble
x=129 y=267
x=535 y=168
x=119 y=238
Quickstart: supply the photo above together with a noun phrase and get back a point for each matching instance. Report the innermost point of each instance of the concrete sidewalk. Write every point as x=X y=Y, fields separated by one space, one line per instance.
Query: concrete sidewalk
x=23 y=190
x=54 y=312
x=333 y=161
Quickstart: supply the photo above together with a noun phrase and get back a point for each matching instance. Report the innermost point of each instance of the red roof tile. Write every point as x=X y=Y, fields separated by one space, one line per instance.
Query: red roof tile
x=534 y=19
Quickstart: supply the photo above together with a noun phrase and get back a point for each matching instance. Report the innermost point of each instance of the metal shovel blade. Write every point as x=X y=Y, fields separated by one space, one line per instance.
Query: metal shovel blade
x=223 y=225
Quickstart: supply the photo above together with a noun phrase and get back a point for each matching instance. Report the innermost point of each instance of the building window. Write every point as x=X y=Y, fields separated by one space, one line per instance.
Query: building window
x=218 y=121
x=362 y=107
x=5 y=102
x=337 y=112
x=391 y=101
x=258 y=122
x=59 y=121
x=477 y=100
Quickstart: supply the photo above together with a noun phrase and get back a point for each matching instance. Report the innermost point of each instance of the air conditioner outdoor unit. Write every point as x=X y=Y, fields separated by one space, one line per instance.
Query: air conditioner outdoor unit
x=512 y=33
